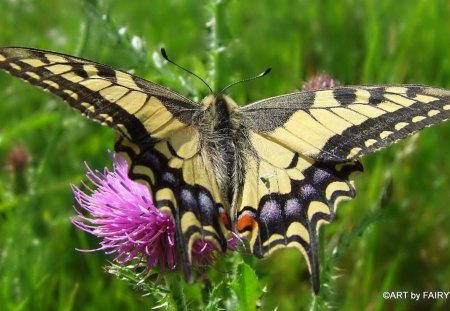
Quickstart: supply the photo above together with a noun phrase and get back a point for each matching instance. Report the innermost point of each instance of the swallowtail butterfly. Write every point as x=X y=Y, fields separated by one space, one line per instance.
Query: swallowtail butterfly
x=274 y=170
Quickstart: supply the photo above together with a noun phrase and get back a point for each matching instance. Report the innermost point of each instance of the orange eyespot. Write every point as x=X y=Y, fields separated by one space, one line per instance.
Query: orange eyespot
x=223 y=217
x=246 y=222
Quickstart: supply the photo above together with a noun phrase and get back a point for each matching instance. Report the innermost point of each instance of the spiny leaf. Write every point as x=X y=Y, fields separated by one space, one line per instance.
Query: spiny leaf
x=246 y=287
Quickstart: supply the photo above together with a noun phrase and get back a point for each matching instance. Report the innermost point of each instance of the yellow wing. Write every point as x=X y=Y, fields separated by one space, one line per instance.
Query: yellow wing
x=157 y=136
x=345 y=123
x=304 y=150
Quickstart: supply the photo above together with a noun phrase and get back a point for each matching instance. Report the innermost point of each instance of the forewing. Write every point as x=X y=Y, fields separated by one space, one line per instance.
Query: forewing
x=157 y=135
x=345 y=123
x=139 y=110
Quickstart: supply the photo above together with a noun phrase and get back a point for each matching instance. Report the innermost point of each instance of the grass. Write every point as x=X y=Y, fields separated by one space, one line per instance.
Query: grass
x=393 y=237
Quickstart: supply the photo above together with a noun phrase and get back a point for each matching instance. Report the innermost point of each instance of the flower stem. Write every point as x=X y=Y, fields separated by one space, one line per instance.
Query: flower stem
x=219 y=34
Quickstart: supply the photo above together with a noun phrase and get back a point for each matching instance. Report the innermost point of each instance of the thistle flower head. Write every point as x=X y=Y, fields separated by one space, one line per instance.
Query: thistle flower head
x=121 y=212
x=321 y=81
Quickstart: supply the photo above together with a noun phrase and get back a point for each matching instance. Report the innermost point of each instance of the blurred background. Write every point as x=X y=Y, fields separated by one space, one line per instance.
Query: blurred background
x=393 y=237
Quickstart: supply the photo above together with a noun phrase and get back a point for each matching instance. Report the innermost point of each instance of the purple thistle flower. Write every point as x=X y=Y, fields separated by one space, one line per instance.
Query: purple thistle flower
x=321 y=81
x=204 y=251
x=122 y=213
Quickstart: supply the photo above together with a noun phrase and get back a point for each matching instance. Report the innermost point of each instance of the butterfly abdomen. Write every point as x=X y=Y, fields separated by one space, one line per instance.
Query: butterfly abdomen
x=217 y=131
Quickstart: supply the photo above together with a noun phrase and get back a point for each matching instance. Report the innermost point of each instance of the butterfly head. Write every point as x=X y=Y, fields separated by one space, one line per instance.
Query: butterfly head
x=219 y=101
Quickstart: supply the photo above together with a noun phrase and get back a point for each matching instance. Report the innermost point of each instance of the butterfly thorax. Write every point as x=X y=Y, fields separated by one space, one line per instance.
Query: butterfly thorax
x=218 y=127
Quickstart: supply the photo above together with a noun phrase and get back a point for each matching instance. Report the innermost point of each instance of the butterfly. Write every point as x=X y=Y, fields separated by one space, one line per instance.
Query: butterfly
x=274 y=170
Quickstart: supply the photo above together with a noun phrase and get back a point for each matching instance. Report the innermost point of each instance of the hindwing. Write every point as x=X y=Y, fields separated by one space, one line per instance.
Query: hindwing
x=182 y=184
x=287 y=196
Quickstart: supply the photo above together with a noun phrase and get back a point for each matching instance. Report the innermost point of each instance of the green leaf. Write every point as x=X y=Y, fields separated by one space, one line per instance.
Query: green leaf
x=246 y=287
x=215 y=297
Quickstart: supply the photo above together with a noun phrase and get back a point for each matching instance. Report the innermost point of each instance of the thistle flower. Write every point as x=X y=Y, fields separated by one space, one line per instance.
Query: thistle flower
x=121 y=212
x=321 y=81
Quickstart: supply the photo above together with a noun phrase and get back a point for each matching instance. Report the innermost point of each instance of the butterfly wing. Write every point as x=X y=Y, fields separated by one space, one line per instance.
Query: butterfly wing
x=345 y=123
x=157 y=135
x=306 y=148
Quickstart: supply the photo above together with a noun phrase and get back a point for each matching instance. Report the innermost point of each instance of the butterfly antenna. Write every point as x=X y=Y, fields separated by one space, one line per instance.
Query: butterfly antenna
x=262 y=74
x=164 y=54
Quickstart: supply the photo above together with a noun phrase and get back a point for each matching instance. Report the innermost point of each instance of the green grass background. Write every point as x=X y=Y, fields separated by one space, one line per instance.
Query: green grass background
x=393 y=237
